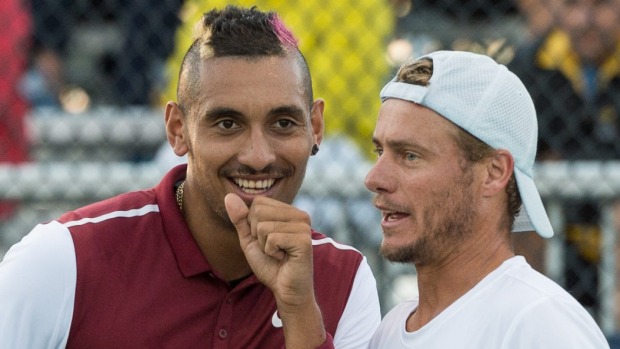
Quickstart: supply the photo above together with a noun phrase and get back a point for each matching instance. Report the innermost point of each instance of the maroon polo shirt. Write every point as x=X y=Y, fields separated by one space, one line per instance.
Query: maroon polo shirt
x=142 y=281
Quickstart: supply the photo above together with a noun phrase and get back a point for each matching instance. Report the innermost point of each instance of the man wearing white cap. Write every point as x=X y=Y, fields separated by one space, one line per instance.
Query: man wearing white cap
x=456 y=141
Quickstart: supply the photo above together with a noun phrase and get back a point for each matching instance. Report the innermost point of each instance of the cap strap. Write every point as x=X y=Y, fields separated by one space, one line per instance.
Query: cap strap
x=403 y=90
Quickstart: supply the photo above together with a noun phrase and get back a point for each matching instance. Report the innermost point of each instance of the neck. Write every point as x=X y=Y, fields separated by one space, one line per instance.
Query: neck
x=442 y=283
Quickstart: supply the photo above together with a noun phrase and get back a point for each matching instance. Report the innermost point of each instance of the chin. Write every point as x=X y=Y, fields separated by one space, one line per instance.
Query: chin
x=399 y=254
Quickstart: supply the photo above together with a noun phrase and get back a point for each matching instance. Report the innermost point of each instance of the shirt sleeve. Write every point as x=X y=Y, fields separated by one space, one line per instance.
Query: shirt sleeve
x=362 y=314
x=37 y=289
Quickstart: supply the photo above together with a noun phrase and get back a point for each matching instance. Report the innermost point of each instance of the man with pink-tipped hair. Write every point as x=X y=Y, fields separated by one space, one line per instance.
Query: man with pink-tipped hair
x=214 y=256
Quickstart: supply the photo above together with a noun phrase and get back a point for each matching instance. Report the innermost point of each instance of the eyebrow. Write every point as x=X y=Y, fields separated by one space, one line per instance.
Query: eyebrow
x=397 y=144
x=291 y=110
x=222 y=111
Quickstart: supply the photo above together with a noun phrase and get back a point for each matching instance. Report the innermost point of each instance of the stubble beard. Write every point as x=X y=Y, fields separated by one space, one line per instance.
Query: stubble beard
x=449 y=222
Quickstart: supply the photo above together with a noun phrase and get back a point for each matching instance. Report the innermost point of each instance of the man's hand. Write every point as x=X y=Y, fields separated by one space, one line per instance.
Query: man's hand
x=276 y=240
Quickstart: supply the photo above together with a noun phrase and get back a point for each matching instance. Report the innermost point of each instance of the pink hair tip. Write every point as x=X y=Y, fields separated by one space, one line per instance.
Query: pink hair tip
x=285 y=36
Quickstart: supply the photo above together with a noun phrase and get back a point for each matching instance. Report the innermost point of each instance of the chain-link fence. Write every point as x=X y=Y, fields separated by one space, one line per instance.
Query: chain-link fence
x=94 y=74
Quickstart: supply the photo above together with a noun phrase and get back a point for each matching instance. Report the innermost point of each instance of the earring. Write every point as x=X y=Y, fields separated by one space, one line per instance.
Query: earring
x=315 y=149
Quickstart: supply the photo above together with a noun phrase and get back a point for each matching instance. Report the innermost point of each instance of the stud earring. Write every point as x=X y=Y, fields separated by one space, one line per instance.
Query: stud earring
x=315 y=149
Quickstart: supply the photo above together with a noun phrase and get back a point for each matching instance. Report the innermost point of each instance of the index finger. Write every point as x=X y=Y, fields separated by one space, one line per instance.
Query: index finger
x=266 y=209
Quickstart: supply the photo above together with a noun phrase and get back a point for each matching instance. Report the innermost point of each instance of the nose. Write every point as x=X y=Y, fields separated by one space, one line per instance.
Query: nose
x=380 y=177
x=257 y=152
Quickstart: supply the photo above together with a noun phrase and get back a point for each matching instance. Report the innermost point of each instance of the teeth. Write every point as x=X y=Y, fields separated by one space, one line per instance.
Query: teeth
x=389 y=216
x=254 y=187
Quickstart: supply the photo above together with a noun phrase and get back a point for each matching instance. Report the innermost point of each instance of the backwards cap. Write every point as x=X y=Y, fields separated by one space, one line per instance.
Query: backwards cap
x=487 y=100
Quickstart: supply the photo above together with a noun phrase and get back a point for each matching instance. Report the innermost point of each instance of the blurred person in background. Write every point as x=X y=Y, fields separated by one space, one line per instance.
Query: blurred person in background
x=15 y=41
x=148 y=41
x=214 y=255
x=113 y=50
x=456 y=142
x=52 y=25
x=537 y=16
x=572 y=71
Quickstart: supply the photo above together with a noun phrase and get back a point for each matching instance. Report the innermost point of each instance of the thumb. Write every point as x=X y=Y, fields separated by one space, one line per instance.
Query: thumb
x=238 y=214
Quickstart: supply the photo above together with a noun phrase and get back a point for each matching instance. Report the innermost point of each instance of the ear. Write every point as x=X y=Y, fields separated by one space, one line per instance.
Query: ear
x=499 y=169
x=316 y=119
x=175 y=122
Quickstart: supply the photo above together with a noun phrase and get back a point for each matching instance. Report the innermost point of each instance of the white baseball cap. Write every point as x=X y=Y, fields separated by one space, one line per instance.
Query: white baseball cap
x=487 y=100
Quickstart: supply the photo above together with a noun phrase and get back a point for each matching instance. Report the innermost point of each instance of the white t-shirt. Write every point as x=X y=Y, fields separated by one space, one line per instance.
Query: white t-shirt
x=514 y=307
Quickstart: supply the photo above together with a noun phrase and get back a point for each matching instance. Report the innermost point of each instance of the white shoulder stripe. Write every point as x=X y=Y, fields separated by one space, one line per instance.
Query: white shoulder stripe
x=334 y=243
x=129 y=213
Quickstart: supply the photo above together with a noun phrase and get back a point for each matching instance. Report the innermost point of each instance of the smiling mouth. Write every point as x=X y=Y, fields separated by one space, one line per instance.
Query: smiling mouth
x=254 y=187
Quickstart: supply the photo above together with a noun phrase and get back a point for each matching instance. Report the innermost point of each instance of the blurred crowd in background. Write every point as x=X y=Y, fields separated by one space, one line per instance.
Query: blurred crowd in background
x=73 y=58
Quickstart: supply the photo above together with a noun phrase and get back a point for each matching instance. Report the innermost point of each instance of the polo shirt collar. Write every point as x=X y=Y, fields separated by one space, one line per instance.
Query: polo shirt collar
x=188 y=255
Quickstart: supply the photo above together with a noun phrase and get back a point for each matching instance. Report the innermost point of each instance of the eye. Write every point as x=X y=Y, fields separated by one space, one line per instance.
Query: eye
x=284 y=123
x=378 y=151
x=226 y=124
x=409 y=156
